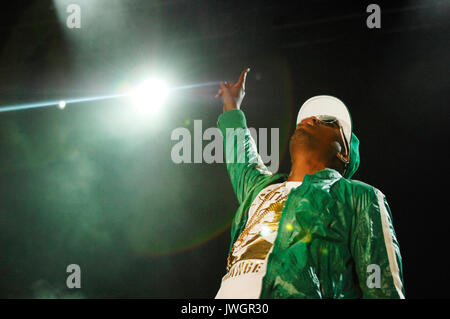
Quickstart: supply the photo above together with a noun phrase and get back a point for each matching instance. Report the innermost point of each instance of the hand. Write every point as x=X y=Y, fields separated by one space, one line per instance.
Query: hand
x=233 y=94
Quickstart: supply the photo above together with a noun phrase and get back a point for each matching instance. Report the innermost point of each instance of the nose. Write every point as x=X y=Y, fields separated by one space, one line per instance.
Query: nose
x=312 y=120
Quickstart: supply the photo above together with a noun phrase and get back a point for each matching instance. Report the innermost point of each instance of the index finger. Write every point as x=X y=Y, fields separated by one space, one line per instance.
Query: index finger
x=241 y=81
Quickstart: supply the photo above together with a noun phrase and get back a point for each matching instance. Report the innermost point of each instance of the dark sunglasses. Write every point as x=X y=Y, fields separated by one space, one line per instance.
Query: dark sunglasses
x=328 y=120
x=332 y=121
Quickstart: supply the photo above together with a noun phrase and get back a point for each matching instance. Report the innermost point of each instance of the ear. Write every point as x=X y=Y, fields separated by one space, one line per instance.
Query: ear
x=343 y=158
x=337 y=146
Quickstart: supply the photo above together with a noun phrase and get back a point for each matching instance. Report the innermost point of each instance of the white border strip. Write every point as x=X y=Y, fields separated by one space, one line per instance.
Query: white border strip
x=389 y=245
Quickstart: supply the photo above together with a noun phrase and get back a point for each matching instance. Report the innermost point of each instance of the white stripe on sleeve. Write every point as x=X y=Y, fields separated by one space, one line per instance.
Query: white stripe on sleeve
x=388 y=241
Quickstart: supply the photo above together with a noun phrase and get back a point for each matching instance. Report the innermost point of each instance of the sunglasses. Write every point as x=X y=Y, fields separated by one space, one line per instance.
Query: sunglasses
x=332 y=121
x=328 y=120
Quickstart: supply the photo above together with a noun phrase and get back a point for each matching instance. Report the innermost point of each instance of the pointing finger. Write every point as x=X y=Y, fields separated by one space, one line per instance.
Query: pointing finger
x=243 y=77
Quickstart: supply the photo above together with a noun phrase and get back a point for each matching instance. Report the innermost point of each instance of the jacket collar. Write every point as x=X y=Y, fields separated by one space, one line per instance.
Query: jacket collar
x=324 y=174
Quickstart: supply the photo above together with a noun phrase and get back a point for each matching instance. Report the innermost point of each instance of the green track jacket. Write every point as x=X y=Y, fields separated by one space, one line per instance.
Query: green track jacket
x=335 y=237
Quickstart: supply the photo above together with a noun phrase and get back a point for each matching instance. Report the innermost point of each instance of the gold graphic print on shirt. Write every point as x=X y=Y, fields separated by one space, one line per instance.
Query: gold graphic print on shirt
x=259 y=236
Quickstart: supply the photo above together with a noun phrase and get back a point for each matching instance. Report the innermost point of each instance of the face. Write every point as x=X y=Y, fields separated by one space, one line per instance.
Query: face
x=317 y=138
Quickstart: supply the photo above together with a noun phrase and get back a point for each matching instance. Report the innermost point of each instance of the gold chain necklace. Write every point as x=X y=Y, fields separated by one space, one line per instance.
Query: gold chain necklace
x=254 y=220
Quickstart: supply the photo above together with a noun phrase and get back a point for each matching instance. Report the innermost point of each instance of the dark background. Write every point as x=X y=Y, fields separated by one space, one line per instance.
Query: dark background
x=94 y=184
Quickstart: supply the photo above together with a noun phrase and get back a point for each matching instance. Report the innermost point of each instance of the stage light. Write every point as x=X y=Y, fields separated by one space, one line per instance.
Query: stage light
x=62 y=104
x=149 y=96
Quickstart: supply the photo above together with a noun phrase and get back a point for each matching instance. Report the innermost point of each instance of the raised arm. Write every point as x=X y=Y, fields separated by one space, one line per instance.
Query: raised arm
x=244 y=165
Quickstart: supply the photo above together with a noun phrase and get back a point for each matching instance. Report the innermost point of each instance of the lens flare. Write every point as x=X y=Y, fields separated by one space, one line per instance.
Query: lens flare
x=149 y=96
x=62 y=104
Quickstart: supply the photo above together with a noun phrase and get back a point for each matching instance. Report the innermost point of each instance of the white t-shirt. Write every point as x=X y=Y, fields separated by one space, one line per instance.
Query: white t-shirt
x=248 y=259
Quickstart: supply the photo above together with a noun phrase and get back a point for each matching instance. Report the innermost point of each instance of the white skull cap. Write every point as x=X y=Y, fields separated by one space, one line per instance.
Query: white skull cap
x=331 y=106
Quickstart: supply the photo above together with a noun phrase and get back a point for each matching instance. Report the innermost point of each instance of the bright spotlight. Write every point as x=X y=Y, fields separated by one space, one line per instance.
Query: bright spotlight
x=149 y=96
x=62 y=104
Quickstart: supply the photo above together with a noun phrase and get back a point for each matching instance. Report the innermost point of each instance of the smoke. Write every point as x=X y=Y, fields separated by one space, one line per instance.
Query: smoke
x=42 y=289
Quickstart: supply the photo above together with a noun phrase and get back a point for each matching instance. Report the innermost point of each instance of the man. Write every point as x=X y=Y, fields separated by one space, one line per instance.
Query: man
x=314 y=233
